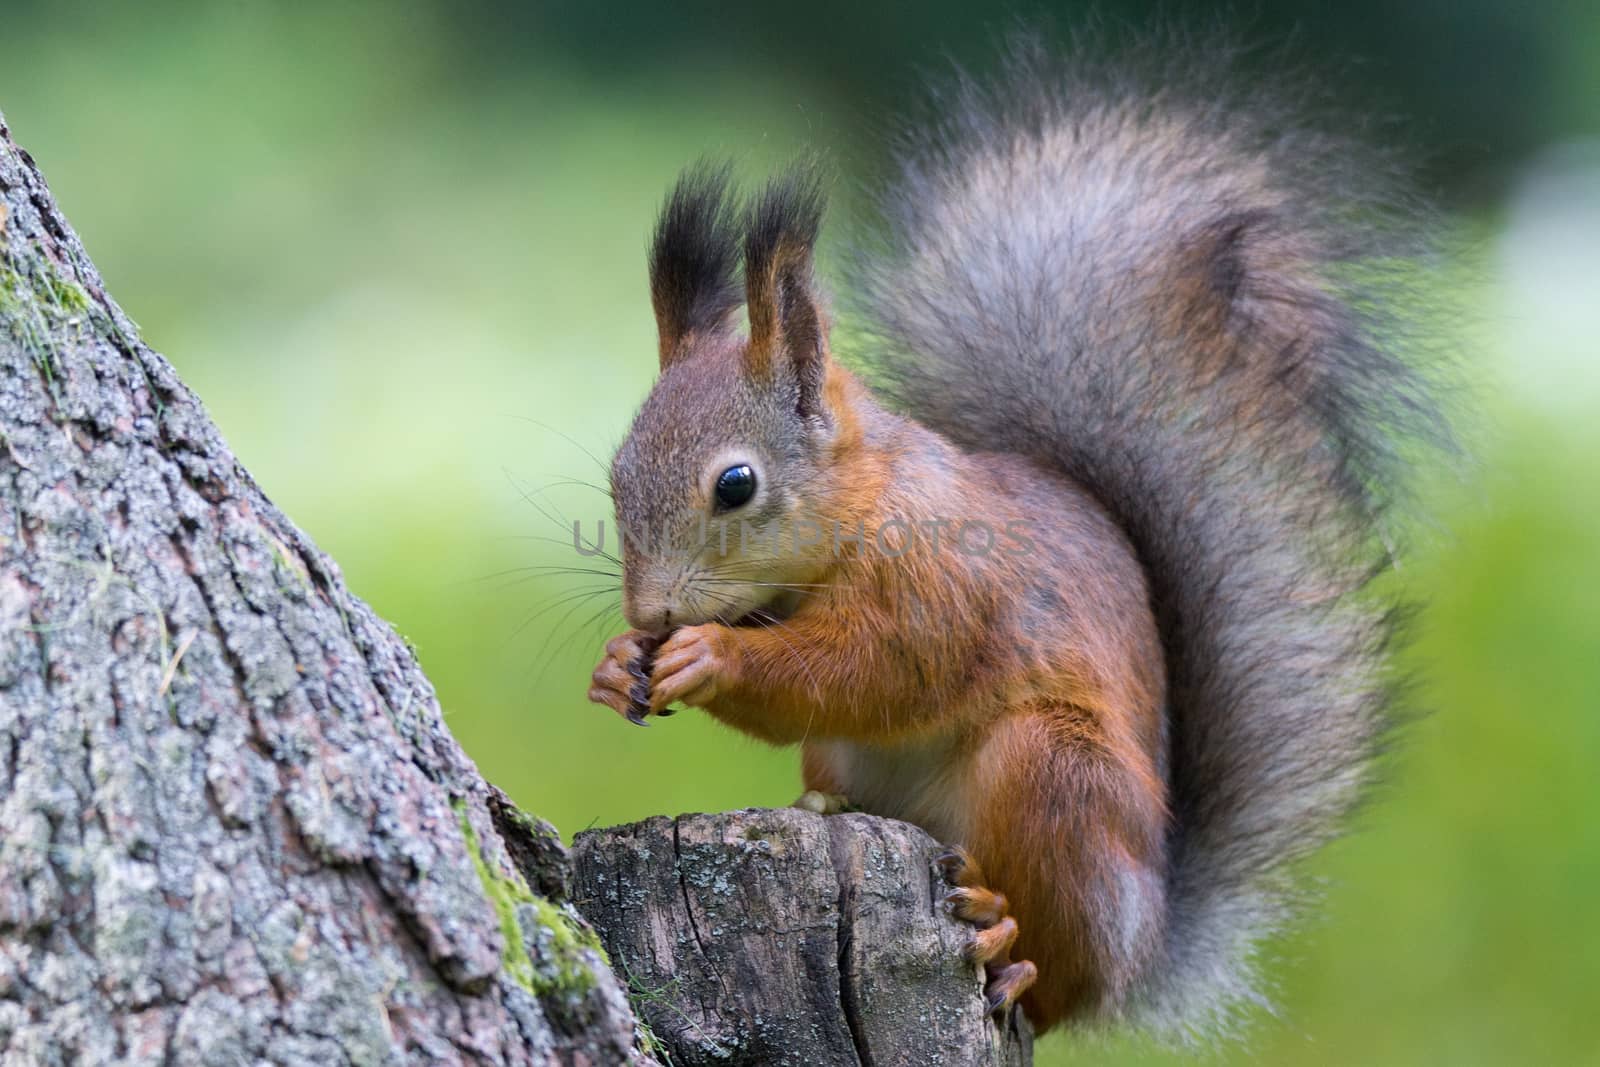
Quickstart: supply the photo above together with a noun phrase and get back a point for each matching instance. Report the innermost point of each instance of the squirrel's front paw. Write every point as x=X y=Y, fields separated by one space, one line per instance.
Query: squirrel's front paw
x=692 y=667
x=1005 y=979
x=622 y=680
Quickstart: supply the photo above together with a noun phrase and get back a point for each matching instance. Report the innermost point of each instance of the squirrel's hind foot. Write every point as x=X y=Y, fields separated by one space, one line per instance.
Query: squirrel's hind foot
x=814 y=800
x=990 y=947
x=1007 y=983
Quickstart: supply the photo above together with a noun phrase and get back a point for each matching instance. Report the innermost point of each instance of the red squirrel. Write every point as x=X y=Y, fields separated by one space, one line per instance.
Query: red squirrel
x=1083 y=584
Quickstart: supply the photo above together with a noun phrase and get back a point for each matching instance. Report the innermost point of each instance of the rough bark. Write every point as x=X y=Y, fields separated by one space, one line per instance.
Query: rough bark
x=234 y=829
x=783 y=937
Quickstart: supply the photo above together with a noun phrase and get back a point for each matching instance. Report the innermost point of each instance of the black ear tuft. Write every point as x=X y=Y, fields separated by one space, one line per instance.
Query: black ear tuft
x=785 y=319
x=694 y=256
x=787 y=215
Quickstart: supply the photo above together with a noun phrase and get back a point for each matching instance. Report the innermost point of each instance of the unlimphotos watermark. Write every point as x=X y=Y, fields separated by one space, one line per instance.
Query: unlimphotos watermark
x=892 y=538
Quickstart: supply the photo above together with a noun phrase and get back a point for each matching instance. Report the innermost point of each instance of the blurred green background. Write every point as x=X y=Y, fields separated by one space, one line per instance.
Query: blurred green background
x=398 y=250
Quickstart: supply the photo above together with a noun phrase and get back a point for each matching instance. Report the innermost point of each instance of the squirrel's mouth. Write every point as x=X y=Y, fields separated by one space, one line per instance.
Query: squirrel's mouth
x=773 y=613
x=758 y=617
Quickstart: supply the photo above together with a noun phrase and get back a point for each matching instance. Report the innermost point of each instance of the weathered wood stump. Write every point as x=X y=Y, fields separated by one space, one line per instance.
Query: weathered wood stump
x=783 y=937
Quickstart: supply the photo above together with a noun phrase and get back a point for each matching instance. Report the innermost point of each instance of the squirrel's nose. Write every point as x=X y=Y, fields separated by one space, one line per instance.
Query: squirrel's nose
x=651 y=618
x=650 y=602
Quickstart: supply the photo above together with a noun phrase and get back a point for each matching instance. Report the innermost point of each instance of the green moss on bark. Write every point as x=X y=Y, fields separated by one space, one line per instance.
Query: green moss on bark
x=39 y=307
x=564 y=948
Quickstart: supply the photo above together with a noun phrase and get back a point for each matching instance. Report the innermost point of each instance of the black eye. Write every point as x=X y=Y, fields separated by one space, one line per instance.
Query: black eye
x=735 y=487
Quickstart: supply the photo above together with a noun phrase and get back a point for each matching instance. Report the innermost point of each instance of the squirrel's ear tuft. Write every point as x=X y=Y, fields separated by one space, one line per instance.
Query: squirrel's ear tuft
x=787 y=331
x=694 y=256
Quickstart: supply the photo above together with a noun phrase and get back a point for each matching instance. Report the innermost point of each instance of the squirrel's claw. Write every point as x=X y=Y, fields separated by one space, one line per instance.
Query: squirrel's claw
x=639 y=691
x=958 y=866
x=993 y=943
x=1007 y=983
x=618 y=702
x=990 y=948
x=622 y=680
x=981 y=907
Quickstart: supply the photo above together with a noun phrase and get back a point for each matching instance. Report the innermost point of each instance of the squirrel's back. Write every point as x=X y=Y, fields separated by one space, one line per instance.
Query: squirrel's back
x=1181 y=295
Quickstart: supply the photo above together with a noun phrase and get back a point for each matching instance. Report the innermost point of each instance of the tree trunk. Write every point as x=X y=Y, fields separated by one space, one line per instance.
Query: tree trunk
x=233 y=827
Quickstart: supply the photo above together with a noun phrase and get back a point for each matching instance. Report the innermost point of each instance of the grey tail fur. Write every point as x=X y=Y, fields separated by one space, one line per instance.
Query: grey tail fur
x=1183 y=295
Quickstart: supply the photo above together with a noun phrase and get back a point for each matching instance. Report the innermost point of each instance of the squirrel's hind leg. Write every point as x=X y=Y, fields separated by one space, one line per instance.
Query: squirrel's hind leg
x=1068 y=818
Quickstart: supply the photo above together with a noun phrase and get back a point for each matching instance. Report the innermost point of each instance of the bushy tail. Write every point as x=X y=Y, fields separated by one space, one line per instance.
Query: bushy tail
x=1180 y=296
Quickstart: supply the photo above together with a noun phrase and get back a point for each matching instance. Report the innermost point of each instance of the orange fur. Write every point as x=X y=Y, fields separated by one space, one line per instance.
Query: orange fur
x=1047 y=725
x=1126 y=320
x=1008 y=701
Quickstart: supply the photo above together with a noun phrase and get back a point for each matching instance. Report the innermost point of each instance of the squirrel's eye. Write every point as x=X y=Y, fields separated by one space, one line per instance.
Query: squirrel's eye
x=735 y=486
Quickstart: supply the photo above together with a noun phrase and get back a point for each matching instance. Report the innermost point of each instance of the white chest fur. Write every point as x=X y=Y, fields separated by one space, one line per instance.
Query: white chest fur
x=917 y=781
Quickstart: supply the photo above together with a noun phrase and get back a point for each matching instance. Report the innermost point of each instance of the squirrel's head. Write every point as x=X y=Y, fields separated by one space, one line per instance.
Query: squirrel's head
x=727 y=461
